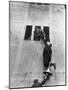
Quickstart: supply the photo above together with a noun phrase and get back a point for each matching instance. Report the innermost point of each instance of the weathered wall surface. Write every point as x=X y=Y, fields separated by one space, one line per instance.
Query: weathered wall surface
x=26 y=56
x=58 y=36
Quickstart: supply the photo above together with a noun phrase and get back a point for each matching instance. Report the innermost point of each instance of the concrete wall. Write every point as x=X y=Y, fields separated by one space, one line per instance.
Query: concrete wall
x=26 y=56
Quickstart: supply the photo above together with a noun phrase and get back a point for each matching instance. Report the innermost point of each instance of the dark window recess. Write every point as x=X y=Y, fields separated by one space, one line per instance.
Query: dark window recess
x=46 y=30
x=28 y=32
x=37 y=33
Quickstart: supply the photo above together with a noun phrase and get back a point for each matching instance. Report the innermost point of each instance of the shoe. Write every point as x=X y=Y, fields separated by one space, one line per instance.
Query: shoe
x=49 y=73
x=53 y=64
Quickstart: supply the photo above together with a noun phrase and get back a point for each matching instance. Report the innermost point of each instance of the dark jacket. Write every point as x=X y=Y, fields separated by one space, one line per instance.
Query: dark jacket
x=47 y=53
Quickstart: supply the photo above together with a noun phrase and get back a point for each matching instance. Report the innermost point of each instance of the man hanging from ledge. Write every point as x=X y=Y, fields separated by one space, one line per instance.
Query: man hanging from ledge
x=47 y=53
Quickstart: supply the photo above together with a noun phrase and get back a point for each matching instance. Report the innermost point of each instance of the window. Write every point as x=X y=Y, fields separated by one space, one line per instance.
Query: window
x=46 y=30
x=28 y=32
x=37 y=33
